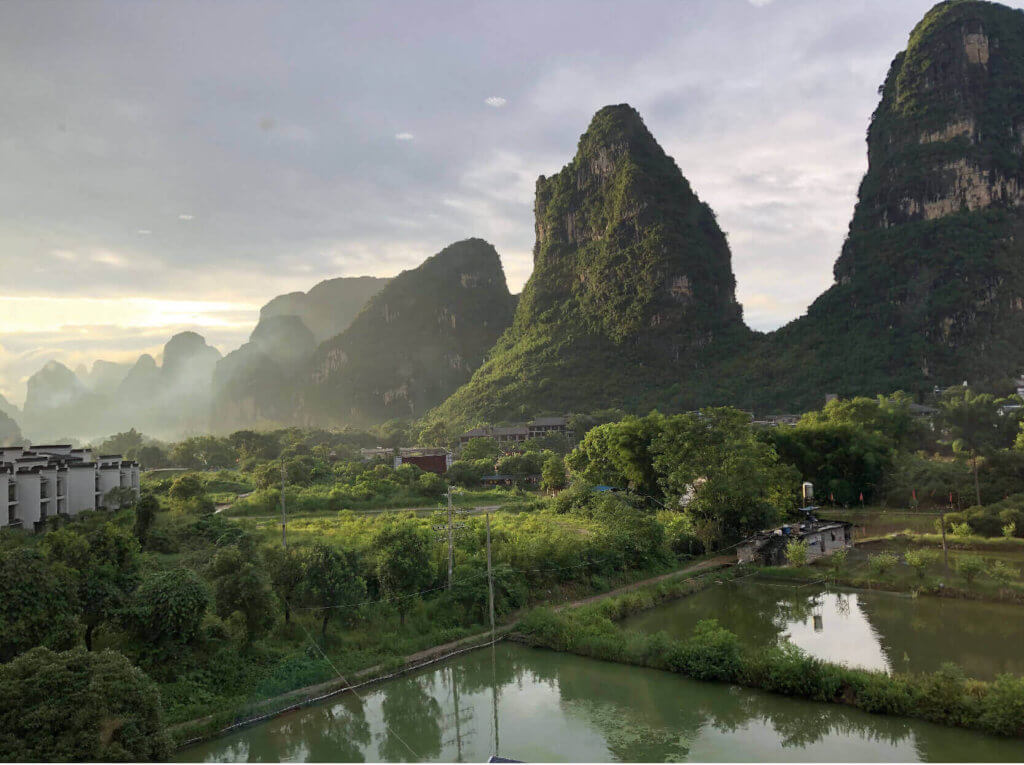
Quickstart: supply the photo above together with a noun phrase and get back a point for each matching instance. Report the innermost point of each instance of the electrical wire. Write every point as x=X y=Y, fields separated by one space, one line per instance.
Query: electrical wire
x=350 y=687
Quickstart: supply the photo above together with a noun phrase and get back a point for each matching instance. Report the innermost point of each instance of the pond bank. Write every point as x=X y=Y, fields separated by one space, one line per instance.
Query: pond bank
x=716 y=654
x=195 y=731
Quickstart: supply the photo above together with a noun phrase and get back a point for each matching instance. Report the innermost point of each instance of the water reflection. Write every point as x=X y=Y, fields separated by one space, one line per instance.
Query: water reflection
x=546 y=706
x=875 y=630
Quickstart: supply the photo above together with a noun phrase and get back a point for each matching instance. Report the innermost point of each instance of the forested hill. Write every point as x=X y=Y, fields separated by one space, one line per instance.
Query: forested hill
x=929 y=287
x=632 y=304
x=632 y=288
x=414 y=342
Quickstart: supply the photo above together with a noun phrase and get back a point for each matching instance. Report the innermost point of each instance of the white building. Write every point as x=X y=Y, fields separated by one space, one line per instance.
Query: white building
x=40 y=482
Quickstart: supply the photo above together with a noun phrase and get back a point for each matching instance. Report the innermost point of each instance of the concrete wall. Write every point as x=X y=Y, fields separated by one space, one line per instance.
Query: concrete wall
x=81 y=483
x=28 y=499
x=110 y=478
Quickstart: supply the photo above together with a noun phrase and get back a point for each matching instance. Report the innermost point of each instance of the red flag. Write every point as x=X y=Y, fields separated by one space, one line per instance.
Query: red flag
x=913 y=493
x=831 y=498
x=862 y=496
x=951 y=498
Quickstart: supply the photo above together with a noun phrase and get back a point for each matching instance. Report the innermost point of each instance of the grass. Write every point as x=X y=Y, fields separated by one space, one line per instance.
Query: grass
x=937 y=580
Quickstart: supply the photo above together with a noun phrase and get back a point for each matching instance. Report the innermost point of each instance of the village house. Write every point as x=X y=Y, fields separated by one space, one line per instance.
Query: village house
x=768 y=548
x=40 y=482
x=429 y=459
x=515 y=434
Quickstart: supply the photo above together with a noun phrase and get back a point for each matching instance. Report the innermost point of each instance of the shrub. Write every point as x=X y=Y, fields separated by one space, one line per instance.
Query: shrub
x=921 y=560
x=882 y=563
x=796 y=552
x=79 y=705
x=1002 y=572
x=969 y=566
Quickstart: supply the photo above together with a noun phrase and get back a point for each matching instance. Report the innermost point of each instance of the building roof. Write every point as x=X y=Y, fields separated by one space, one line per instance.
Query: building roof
x=548 y=421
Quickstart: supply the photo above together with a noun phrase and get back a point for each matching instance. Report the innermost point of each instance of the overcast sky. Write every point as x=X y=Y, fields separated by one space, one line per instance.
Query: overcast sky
x=174 y=165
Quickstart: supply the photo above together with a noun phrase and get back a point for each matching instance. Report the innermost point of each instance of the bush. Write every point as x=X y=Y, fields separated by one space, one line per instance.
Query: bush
x=796 y=552
x=921 y=560
x=969 y=566
x=79 y=705
x=882 y=563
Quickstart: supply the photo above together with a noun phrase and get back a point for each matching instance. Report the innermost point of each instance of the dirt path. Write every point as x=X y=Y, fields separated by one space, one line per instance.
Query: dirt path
x=302 y=696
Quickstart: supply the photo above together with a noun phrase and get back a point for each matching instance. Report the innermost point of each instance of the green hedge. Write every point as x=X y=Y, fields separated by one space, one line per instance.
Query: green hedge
x=714 y=653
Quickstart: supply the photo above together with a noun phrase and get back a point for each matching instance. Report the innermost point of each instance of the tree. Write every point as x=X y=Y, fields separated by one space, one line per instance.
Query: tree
x=203 y=453
x=79 y=706
x=921 y=560
x=168 y=608
x=145 y=516
x=287 y=569
x=403 y=563
x=840 y=459
x=727 y=480
x=886 y=416
x=620 y=454
x=431 y=485
x=796 y=552
x=974 y=425
x=241 y=585
x=882 y=563
x=38 y=604
x=970 y=566
x=152 y=456
x=332 y=584
x=552 y=473
x=480 y=448
x=186 y=486
x=1003 y=573
x=127 y=444
x=436 y=434
x=106 y=564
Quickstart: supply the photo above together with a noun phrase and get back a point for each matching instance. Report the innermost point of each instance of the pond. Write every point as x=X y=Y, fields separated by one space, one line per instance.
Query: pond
x=870 y=629
x=536 y=705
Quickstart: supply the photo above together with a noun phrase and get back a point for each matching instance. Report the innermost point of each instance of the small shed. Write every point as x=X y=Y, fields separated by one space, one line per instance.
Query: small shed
x=768 y=548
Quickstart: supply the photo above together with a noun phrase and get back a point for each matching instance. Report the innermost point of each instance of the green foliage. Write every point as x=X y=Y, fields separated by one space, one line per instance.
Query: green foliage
x=145 y=516
x=287 y=569
x=841 y=460
x=796 y=552
x=332 y=584
x=203 y=453
x=970 y=566
x=167 y=609
x=403 y=563
x=38 y=604
x=1002 y=572
x=79 y=706
x=480 y=448
x=921 y=560
x=882 y=563
x=553 y=476
x=242 y=585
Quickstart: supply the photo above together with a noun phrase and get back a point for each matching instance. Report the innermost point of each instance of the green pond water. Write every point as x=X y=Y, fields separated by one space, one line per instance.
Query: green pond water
x=535 y=705
x=874 y=630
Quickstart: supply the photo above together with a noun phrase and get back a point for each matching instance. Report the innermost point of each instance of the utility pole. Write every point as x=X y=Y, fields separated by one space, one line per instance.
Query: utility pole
x=942 y=523
x=284 y=514
x=490 y=577
x=451 y=550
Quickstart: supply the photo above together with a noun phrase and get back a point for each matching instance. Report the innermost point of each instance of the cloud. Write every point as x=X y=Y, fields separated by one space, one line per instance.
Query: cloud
x=404 y=136
x=496 y=101
x=143 y=232
x=759 y=3
x=185 y=216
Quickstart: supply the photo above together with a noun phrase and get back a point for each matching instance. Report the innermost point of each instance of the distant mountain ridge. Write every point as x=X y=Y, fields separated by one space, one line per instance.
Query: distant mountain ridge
x=329 y=307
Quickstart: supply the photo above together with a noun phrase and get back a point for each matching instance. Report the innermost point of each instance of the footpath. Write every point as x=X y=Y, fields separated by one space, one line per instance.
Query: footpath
x=311 y=694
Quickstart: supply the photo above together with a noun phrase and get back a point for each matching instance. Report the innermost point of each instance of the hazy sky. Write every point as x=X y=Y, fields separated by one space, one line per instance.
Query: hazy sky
x=174 y=165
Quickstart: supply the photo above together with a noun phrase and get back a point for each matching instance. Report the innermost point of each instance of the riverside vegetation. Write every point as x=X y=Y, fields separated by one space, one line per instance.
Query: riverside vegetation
x=213 y=617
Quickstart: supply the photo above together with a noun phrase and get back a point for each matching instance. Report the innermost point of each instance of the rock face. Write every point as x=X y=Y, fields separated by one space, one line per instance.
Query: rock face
x=10 y=434
x=329 y=307
x=414 y=342
x=255 y=386
x=632 y=288
x=929 y=286
x=57 y=403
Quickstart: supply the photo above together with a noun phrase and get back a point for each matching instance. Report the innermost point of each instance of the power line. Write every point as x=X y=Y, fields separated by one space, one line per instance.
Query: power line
x=350 y=687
